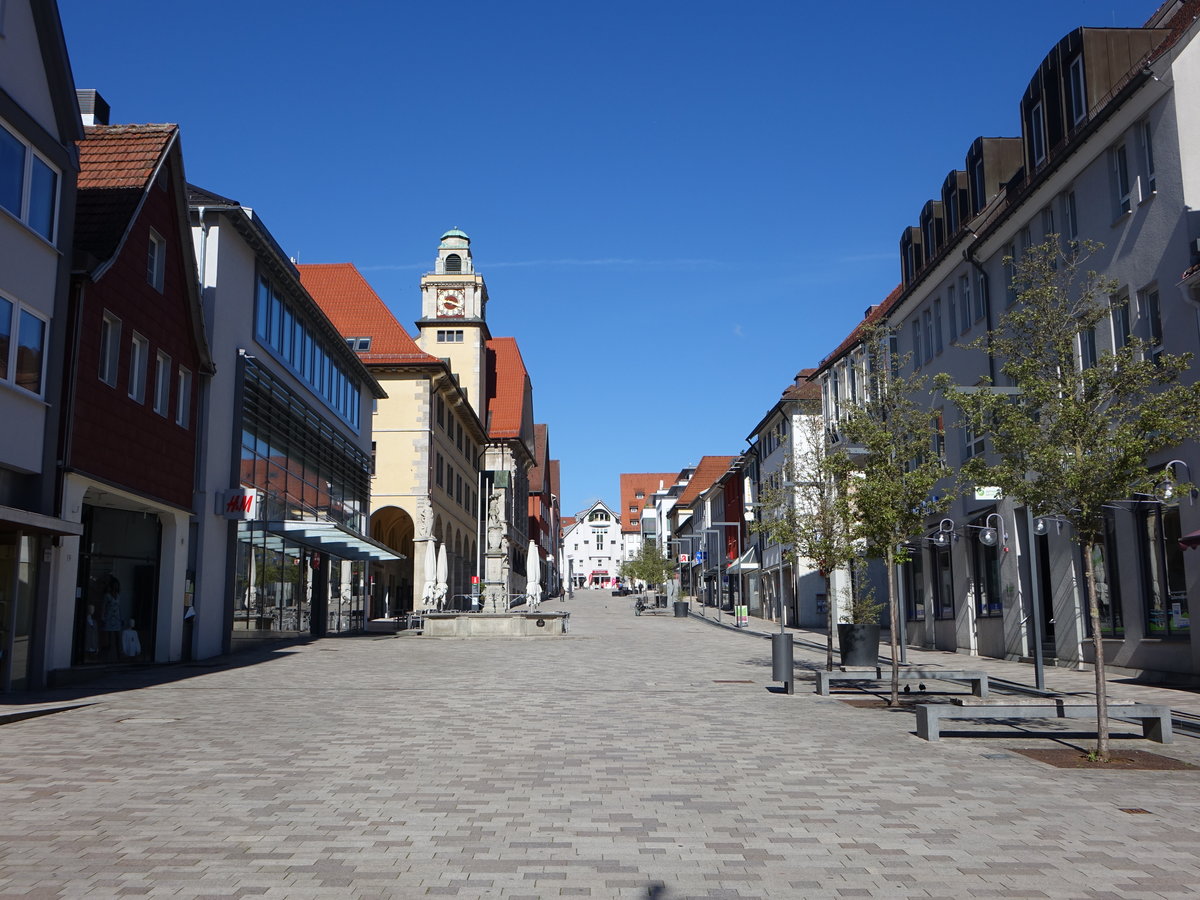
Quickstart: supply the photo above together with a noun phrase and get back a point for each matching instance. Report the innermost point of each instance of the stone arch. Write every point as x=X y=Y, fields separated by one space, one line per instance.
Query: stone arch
x=392 y=581
x=459 y=564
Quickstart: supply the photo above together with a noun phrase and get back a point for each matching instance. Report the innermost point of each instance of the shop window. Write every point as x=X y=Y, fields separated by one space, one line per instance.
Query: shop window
x=1108 y=594
x=1167 y=613
x=943 y=583
x=986 y=563
x=914 y=584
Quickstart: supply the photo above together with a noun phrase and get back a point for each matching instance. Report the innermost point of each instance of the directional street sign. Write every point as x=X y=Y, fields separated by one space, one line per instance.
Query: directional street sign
x=700 y=555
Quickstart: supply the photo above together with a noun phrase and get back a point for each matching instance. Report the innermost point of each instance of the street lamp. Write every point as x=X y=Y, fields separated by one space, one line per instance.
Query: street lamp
x=716 y=527
x=691 y=549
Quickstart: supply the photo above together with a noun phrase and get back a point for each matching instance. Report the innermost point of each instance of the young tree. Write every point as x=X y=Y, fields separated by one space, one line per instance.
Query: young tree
x=897 y=451
x=1077 y=432
x=649 y=565
x=808 y=511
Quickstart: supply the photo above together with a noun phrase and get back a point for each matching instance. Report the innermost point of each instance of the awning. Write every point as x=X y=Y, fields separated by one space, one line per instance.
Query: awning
x=747 y=562
x=1190 y=541
x=13 y=519
x=331 y=538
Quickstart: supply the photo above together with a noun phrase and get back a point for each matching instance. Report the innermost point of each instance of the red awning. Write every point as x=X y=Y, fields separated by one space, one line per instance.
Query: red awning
x=1189 y=541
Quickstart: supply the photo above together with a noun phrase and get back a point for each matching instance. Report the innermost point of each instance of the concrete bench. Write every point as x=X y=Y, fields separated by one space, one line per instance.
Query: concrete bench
x=977 y=680
x=1155 y=720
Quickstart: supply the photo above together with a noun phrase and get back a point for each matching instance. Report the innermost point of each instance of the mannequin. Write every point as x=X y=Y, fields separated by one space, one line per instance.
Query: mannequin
x=91 y=634
x=110 y=618
x=131 y=644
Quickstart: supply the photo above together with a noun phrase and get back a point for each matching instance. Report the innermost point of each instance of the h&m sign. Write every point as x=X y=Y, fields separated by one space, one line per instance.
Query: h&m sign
x=239 y=503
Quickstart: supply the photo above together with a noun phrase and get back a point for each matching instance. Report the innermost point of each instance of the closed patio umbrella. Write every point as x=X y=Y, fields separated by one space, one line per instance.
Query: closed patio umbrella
x=533 y=588
x=428 y=600
x=1190 y=541
x=442 y=568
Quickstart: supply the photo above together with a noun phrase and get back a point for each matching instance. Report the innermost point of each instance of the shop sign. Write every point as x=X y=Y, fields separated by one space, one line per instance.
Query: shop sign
x=240 y=504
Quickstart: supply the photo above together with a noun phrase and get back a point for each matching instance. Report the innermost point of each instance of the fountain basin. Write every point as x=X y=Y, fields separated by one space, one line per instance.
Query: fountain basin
x=510 y=624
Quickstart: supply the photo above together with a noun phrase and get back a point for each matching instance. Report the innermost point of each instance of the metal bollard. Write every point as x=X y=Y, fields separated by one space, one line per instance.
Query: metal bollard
x=782 y=662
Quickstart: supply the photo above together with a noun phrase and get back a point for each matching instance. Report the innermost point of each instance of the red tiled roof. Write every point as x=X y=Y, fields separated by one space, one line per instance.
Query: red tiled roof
x=874 y=315
x=540 y=470
x=802 y=388
x=508 y=385
x=647 y=483
x=707 y=472
x=116 y=163
x=357 y=311
x=121 y=156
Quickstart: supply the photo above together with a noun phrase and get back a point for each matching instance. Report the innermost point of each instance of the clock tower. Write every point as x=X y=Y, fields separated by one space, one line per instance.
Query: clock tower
x=453 y=325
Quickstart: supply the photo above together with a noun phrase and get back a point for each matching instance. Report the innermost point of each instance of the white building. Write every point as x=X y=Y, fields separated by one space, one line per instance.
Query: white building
x=1110 y=132
x=592 y=547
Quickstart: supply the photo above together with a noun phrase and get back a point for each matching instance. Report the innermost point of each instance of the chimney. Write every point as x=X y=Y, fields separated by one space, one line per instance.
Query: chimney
x=92 y=108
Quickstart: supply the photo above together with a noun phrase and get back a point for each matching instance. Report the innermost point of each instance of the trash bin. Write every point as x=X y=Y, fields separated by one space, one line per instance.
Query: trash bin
x=681 y=609
x=782 y=664
x=660 y=600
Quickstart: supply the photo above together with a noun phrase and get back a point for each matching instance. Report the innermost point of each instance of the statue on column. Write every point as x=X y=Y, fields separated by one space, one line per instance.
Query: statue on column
x=495 y=524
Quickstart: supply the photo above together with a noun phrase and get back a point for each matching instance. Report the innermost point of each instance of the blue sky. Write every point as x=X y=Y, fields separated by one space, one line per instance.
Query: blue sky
x=676 y=205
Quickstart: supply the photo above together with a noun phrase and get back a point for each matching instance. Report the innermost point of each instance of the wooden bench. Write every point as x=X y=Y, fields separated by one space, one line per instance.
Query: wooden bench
x=1155 y=720
x=977 y=680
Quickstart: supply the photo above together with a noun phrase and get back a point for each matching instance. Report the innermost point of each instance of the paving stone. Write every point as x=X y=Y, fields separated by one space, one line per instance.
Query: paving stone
x=594 y=765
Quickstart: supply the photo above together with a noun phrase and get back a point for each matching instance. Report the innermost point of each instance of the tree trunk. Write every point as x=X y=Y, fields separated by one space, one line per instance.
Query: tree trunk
x=1098 y=649
x=893 y=626
x=828 y=624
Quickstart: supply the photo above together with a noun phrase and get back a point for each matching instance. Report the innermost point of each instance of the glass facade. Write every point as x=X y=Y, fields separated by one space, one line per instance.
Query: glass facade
x=305 y=470
x=297 y=343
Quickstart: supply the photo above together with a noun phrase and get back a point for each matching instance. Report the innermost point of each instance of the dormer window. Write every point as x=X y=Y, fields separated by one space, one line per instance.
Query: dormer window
x=453 y=263
x=1078 y=91
x=1037 y=135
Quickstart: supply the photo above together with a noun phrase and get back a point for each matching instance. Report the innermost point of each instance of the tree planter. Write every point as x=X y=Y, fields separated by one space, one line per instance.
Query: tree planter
x=859 y=644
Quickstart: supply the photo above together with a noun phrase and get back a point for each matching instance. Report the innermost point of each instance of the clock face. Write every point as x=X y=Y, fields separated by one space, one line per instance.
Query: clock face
x=449 y=305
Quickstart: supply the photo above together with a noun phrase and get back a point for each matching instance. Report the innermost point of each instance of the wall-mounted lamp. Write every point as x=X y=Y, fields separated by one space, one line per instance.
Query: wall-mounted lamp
x=1041 y=525
x=945 y=535
x=990 y=535
x=1170 y=479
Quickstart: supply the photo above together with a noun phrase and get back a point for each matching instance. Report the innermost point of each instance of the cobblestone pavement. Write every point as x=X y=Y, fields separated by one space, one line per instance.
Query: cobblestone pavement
x=635 y=751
